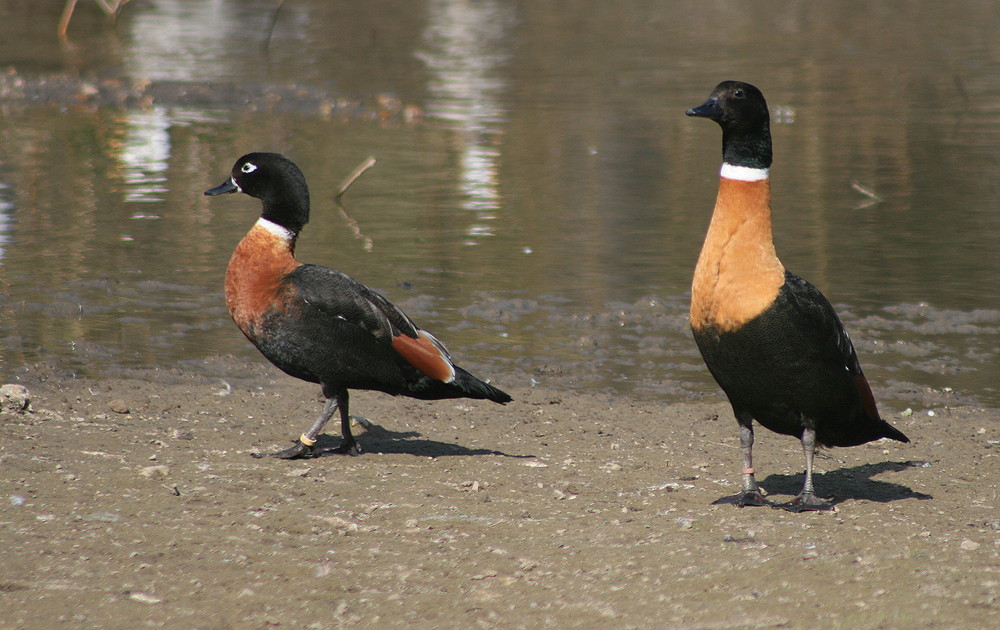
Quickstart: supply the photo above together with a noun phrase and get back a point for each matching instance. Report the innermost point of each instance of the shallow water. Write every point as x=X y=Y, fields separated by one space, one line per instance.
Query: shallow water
x=539 y=197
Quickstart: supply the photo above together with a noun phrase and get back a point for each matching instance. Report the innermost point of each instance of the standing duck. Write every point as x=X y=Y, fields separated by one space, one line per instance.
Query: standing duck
x=771 y=340
x=321 y=325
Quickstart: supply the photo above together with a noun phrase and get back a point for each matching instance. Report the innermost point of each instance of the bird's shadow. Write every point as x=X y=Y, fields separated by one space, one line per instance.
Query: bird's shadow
x=837 y=486
x=384 y=441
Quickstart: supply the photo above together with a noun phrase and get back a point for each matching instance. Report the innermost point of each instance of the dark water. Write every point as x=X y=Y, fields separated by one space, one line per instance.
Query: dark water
x=539 y=198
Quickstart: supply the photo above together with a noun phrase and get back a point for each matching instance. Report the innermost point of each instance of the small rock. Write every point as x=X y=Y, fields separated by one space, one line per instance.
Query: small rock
x=324 y=569
x=144 y=598
x=489 y=573
x=103 y=517
x=563 y=494
x=119 y=406
x=969 y=545
x=155 y=471
x=14 y=398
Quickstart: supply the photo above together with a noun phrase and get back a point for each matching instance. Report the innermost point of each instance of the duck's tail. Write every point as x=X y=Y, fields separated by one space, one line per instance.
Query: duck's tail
x=464 y=385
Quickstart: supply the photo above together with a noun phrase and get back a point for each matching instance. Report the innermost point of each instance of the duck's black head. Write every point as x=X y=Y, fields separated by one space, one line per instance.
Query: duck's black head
x=741 y=111
x=277 y=182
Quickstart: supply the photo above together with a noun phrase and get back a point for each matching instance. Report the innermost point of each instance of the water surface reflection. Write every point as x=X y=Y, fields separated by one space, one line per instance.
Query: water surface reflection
x=465 y=48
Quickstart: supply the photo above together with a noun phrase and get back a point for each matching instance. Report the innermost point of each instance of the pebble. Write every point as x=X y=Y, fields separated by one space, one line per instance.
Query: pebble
x=103 y=517
x=155 y=471
x=14 y=398
x=144 y=598
x=119 y=406
x=489 y=573
x=969 y=545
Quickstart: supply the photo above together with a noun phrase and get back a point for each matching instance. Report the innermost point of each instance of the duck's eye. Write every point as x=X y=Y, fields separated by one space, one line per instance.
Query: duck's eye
x=737 y=94
x=249 y=167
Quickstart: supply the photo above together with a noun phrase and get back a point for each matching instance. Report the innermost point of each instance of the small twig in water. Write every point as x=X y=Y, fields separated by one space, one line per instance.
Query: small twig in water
x=873 y=197
x=266 y=46
x=355 y=174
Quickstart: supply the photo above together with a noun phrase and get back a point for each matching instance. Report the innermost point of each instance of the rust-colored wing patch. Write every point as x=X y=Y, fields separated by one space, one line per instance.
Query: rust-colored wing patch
x=867 y=398
x=422 y=353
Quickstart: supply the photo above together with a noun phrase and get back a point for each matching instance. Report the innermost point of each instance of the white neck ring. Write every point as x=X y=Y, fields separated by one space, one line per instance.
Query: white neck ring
x=278 y=230
x=743 y=173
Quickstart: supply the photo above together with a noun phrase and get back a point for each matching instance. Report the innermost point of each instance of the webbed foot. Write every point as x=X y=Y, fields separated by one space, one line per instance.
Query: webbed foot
x=744 y=499
x=806 y=502
x=296 y=451
x=352 y=448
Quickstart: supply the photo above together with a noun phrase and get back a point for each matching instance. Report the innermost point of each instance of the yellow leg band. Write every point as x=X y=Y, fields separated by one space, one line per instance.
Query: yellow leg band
x=305 y=440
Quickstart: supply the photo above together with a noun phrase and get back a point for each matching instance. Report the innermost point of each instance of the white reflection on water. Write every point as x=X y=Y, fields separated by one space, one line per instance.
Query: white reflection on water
x=464 y=48
x=6 y=207
x=182 y=40
x=146 y=154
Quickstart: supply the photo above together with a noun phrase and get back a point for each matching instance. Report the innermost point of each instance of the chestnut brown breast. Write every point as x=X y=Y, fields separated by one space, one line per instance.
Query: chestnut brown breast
x=254 y=277
x=738 y=274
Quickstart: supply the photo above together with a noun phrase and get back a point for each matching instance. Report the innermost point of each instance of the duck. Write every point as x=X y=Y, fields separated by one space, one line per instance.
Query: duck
x=772 y=341
x=322 y=325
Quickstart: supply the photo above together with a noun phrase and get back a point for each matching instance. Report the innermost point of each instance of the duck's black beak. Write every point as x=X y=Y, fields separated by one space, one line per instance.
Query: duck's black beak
x=709 y=109
x=225 y=188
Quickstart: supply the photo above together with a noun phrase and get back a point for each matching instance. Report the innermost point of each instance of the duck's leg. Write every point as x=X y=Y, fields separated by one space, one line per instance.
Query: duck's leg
x=349 y=445
x=305 y=446
x=807 y=499
x=750 y=494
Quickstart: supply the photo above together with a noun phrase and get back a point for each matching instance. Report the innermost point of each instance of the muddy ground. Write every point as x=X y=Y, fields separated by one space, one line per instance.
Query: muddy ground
x=134 y=502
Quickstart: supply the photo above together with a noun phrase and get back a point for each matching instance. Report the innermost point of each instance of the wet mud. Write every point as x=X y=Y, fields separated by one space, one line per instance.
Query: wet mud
x=136 y=502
